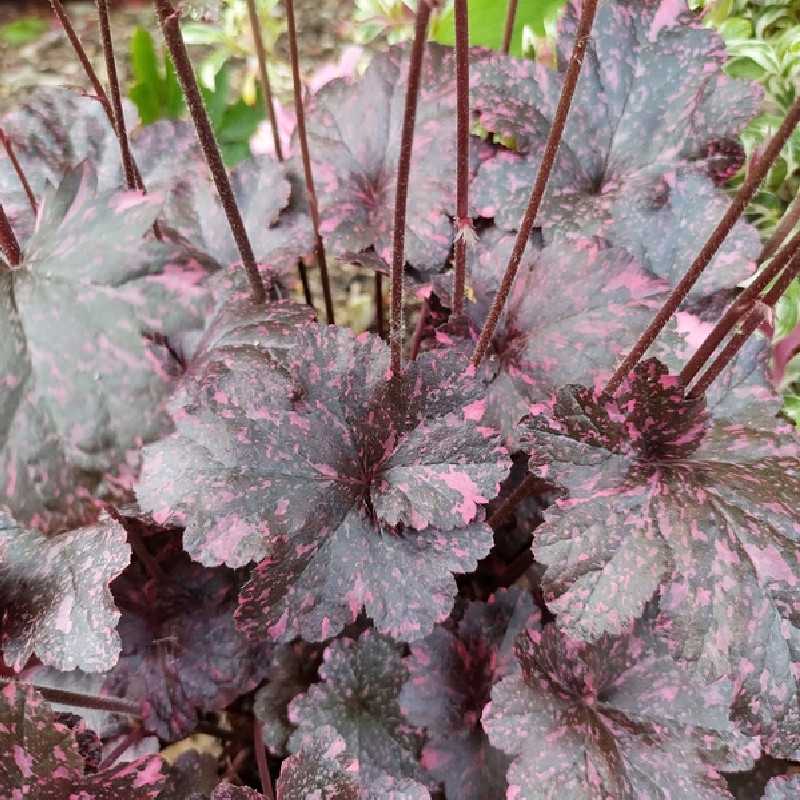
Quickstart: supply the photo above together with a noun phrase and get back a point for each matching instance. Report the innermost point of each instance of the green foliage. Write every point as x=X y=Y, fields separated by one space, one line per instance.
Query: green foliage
x=22 y=31
x=155 y=91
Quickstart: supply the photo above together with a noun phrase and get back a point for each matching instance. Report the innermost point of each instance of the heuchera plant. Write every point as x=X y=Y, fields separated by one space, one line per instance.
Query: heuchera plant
x=547 y=547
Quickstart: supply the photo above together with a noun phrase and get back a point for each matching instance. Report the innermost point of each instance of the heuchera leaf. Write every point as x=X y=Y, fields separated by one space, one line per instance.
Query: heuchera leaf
x=783 y=788
x=39 y=758
x=54 y=595
x=617 y=718
x=573 y=310
x=279 y=231
x=354 y=137
x=649 y=103
x=451 y=673
x=227 y=791
x=659 y=500
x=321 y=768
x=83 y=381
x=181 y=653
x=292 y=670
x=358 y=698
x=361 y=489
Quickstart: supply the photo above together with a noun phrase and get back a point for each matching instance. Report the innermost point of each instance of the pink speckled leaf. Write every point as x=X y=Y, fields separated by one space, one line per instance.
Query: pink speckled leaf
x=83 y=376
x=783 y=788
x=343 y=478
x=354 y=136
x=321 y=768
x=573 y=310
x=279 y=231
x=181 y=653
x=40 y=759
x=56 y=598
x=292 y=670
x=650 y=99
x=451 y=673
x=358 y=698
x=619 y=718
x=659 y=500
x=227 y=791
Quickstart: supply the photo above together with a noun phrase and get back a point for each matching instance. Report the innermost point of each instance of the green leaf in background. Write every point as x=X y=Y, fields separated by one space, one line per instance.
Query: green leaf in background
x=23 y=31
x=157 y=94
x=487 y=22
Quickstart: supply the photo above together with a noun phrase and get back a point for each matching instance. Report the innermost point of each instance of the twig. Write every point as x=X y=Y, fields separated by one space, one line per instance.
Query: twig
x=709 y=249
x=790 y=218
x=261 y=760
x=380 y=321
x=401 y=193
x=588 y=10
x=8 y=241
x=79 y=700
x=266 y=89
x=463 y=223
x=306 y=157
x=170 y=25
x=303 y=272
x=8 y=145
x=741 y=306
x=747 y=328
x=508 y=31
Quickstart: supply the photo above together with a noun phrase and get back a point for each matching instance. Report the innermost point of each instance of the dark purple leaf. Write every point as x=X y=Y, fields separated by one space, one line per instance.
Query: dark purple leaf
x=279 y=231
x=651 y=100
x=83 y=378
x=354 y=138
x=55 y=596
x=181 y=653
x=358 y=698
x=292 y=671
x=348 y=481
x=39 y=758
x=321 y=769
x=617 y=718
x=192 y=776
x=451 y=673
x=572 y=312
x=227 y=791
x=661 y=501
x=783 y=788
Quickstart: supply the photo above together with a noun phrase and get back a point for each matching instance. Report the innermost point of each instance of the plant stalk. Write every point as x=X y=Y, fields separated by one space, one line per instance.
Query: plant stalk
x=740 y=307
x=380 y=317
x=588 y=10
x=303 y=273
x=508 y=31
x=755 y=318
x=261 y=761
x=396 y=321
x=169 y=20
x=306 y=157
x=787 y=223
x=8 y=145
x=266 y=89
x=504 y=511
x=8 y=241
x=131 y=738
x=79 y=700
x=709 y=249
x=463 y=223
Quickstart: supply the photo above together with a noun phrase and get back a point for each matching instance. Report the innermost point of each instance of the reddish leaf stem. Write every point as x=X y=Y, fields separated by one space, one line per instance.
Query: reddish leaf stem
x=463 y=223
x=303 y=272
x=502 y=513
x=788 y=221
x=419 y=330
x=170 y=25
x=380 y=317
x=709 y=249
x=261 y=761
x=588 y=9
x=8 y=145
x=508 y=31
x=133 y=736
x=396 y=322
x=266 y=89
x=755 y=318
x=79 y=700
x=116 y=97
x=8 y=241
x=302 y=136
x=740 y=307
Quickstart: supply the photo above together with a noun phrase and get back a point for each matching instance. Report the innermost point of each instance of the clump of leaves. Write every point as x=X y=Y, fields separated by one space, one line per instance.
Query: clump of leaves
x=226 y=518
